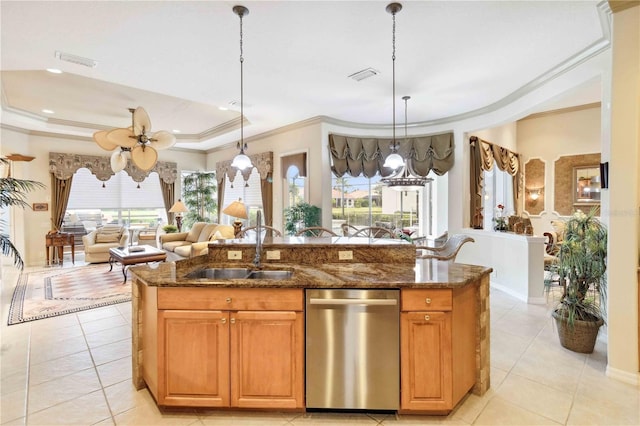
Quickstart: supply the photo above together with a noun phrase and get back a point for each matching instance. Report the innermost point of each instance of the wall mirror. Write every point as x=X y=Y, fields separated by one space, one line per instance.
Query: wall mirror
x=586 y=185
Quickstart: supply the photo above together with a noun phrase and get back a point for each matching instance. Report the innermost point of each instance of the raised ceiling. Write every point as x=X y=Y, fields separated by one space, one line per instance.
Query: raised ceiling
x=180 y=61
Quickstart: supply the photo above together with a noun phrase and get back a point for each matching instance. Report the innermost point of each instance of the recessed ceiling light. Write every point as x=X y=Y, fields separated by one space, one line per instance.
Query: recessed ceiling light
x=47 y=111
x=223 y=108
x=176 y=130
x=54 y=70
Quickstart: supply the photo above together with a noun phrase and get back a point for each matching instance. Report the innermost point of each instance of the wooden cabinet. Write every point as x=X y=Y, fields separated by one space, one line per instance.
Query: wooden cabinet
x=437 y=335
x=249 y=354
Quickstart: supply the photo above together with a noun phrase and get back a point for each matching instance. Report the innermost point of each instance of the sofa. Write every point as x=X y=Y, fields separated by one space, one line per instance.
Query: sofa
x=195 y=242
x=97 y=243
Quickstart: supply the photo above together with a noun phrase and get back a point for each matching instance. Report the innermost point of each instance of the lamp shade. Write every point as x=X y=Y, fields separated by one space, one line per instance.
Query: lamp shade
x=236 y=209
x=178 y=207
x=241 y=161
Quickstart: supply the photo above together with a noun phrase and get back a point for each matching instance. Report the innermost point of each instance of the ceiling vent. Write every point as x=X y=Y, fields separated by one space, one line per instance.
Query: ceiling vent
x=365 y=73
x=68 y=57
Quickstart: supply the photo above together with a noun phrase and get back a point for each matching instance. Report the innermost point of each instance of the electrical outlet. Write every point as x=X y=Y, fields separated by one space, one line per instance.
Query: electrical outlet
x=273 y=254
x=345 y=255
x=234 y=254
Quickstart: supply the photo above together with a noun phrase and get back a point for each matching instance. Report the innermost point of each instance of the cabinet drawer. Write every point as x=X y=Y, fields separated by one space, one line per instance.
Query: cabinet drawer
x=440 y=299
x=231 y=299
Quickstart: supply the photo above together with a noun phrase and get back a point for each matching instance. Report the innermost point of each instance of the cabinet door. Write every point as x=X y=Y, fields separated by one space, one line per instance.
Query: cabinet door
x=193 y=359
x=267 y=359
x=426 y=361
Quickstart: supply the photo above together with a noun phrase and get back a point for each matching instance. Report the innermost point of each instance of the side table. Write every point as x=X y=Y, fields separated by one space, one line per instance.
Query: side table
x=58 y=240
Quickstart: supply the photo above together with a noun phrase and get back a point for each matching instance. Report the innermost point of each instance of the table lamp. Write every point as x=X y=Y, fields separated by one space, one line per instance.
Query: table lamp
x=178 y=208
x=238 y=210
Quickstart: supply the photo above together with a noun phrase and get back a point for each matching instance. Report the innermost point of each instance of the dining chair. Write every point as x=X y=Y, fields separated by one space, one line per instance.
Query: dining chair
x=447 y=251
x=252 y=229
x=315 y=231
x=374 y=232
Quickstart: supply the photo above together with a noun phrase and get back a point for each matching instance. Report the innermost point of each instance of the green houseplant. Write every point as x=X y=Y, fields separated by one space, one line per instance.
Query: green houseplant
x=13 y=193
x=301 y=215
x=581 y=266
x=199 y=191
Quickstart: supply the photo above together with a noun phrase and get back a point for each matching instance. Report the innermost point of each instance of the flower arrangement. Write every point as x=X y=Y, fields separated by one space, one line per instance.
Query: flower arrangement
x=499 y=219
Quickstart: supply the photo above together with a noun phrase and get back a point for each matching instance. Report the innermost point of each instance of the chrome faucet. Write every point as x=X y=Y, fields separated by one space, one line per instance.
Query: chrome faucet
x=256 y=260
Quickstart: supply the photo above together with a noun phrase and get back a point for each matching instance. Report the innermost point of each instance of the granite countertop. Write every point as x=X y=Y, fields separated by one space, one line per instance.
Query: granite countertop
x=426 y=273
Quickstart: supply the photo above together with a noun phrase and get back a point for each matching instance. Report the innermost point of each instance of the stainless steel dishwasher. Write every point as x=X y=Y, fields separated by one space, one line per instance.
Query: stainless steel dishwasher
x=353 y=349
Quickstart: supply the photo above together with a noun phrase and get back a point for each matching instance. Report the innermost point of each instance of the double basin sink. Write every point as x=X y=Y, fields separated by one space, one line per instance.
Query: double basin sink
x=239 y=273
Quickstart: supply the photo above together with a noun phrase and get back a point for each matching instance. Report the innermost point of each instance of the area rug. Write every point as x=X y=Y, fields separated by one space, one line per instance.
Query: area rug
x=53 y=292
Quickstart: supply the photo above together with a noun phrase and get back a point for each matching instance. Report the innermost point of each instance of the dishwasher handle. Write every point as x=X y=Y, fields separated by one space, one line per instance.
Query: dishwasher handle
x=379 y=302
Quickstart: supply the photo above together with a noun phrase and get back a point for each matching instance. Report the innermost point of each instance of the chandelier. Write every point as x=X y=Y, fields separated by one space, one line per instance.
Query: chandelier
x=241 y=161
x=134 y=142
x=402 y=180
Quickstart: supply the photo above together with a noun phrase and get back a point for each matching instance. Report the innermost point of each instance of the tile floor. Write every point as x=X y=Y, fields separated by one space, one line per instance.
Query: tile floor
x=76 y=369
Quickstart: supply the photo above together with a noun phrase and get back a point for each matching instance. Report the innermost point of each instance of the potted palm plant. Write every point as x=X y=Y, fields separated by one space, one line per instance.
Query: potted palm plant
x=581 y=264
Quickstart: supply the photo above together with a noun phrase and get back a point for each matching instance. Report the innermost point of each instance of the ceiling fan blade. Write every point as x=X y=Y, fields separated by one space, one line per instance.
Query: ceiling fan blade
x=102 y=141
x=141 y=121
x=122 y=137
x=118 y=161
x=163 y=140
x=144 y=157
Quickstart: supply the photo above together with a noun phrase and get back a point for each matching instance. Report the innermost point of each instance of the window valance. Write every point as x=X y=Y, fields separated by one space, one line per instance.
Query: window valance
x=63 y=166
x=357 y=156
x=263 y=162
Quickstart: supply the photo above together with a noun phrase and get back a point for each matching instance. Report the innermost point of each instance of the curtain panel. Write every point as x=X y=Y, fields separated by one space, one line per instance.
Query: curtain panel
x=357 y=156
x=483 y=155
x=263 y=162
x=60 y=191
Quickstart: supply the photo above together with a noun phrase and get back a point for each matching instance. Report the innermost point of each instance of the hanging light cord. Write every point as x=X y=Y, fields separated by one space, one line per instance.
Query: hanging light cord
x=241 y=90
x=393 y=77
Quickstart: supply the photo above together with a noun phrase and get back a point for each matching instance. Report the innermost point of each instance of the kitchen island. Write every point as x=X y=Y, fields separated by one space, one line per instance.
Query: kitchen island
x=240 y=342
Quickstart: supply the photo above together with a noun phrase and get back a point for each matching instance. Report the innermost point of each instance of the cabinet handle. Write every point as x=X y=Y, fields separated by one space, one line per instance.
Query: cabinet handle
x=224 y=320
x=427 y=317
x=428 y=300
x=233 y=320
x=228 y=300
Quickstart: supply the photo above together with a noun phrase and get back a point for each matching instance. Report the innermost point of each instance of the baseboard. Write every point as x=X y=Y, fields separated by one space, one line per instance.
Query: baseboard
x=509 y=291
x=623 y=376
x=537 y=301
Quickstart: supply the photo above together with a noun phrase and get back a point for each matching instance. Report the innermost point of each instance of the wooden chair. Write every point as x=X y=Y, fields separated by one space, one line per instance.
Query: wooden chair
x=447 y=251
x=315 y=231
x=274 y=232
x=374 y=232
x=348 y=230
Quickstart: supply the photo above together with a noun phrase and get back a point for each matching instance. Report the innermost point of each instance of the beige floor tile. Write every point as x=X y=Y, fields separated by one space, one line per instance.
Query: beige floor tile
x=470 y=408
x=149 y=414
x=85 y=410
x=333 y=419
x=111 y=352
x=413 y=419
x=22 y=421
x=535 y=397
x=506 y=349
x=67 y=388
x=57 y=349
x=497 y=376
x=14 y=382
x=101 y=324
x=109 y=336
x=60 y=367
x=501 y=412
x=123 y=396
x=243 y=418
x=115 y=371
x=13 y=405
x=43 y=335
x=98 y=314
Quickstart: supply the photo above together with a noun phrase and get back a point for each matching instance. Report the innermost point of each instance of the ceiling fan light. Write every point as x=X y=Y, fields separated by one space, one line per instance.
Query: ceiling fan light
x=118 y=161
x=393 y=161
x=241 y=161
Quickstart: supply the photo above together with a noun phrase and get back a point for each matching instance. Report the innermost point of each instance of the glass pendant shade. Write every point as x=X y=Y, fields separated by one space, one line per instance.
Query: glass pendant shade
x=241 y=161
x=394 y=161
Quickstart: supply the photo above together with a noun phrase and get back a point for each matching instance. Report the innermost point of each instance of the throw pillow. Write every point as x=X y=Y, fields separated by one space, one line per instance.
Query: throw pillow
x=194 y=233
x=206 y=231
x=225 y=231
x=107 y=237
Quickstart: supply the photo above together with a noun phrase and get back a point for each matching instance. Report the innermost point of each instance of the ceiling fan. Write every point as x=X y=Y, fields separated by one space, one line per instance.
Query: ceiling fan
x=134 y=142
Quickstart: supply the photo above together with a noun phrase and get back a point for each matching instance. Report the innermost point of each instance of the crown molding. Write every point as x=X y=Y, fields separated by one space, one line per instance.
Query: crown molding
x=562 y=111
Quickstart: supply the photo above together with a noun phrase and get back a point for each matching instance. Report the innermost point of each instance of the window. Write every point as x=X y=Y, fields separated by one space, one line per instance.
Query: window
x=294 y=187
x=120 y=201
x=497 y=189
x=363 y=202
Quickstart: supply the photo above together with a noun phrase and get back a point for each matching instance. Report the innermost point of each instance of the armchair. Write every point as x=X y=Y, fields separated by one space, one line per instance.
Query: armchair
x=98 y=242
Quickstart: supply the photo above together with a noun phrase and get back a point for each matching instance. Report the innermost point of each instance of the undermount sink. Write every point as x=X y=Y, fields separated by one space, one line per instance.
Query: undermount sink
x=220 y=273
x=270 y=275
x=239 y=273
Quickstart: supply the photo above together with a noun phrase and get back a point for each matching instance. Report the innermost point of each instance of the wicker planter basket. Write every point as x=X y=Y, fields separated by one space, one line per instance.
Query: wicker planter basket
x=579 y=338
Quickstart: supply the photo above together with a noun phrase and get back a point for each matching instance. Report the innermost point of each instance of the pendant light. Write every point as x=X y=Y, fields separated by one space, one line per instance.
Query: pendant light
x=241 y=161
x=394 y=160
